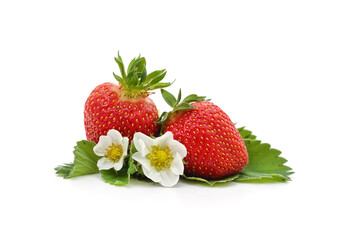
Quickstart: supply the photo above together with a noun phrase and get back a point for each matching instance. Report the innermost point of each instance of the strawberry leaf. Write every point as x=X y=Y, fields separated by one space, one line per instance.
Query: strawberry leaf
x=264 y=164
x=122 y=177
x=246 y=134
x=85 y=161
x=118 y=178
x=212 y=182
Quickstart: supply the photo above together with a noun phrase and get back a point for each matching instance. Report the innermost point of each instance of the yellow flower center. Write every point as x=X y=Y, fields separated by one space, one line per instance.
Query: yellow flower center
x=160 y=157
x=114 y=152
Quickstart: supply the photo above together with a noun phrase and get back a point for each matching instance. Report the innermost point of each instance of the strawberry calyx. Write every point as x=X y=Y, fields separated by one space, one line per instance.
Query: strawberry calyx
x=135 y=82
x=177 y=106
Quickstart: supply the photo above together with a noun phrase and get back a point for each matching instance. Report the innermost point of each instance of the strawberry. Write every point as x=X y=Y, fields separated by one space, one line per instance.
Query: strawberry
x=214 y=145
x=125 y=107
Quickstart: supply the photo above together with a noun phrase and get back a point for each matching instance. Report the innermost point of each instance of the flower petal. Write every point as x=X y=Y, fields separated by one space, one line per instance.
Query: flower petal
x=163 y=140
x=117 y=166
x=152 y=174
x=141 y=142
x=141 y=159
x=177 y=166
x=104 y=164
x=177 y=147
x=168 y=179
x=101 y=147
x=125 y=143
x=115 y=136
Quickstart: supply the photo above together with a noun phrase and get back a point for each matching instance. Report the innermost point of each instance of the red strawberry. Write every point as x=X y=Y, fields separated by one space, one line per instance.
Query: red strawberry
x=125 y=107
x=215 y=147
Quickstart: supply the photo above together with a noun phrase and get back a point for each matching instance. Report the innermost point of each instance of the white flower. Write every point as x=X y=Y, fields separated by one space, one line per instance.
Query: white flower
x=113 y=148
x=160 y=158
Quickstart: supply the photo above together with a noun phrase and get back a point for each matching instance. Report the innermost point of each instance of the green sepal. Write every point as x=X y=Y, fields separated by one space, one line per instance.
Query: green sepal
x=118 y=78
x=136 y=81
x=85 y=161
x=119 y=61
x=162 y=117
x=157 y=79
x=154 y=75
x=194 y=98
x=169 y=98
x=183 y=106
x=177 y=105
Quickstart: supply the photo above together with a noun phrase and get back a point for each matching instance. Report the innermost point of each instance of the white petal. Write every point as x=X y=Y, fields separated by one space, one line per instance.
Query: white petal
x=104 y=164
x=152 y=174
x=140 y=137
x=177 y=166
x=163 y=140
x=115 y=136
x=101 y=147
x=142 y=143
x=141 y=159
x=168 y=179
x=117 y=166
x=177 y=147
x=125 y=142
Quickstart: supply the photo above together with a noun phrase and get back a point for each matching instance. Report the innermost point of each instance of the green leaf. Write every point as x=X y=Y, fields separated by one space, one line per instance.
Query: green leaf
x=85 y=161
x=246 y=134
x=131 y=167
x=212 y=182
x=264 y=164
x=169 y=98
x=118 y=178
x=122 y=177
x=64 y=170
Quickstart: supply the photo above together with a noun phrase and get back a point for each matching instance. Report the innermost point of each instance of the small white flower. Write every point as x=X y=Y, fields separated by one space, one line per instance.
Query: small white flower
x=113 y=149
x=160 y=158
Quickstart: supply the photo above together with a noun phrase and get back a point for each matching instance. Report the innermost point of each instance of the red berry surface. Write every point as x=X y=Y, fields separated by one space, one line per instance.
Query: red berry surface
x=107 y=108
x=214 y=146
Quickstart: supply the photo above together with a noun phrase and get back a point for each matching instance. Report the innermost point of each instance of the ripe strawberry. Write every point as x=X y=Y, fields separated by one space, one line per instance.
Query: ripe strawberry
x=215 y=147
x=125 y=107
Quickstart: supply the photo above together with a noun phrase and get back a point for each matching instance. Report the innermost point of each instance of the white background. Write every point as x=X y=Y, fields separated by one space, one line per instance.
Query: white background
x=273 y=66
